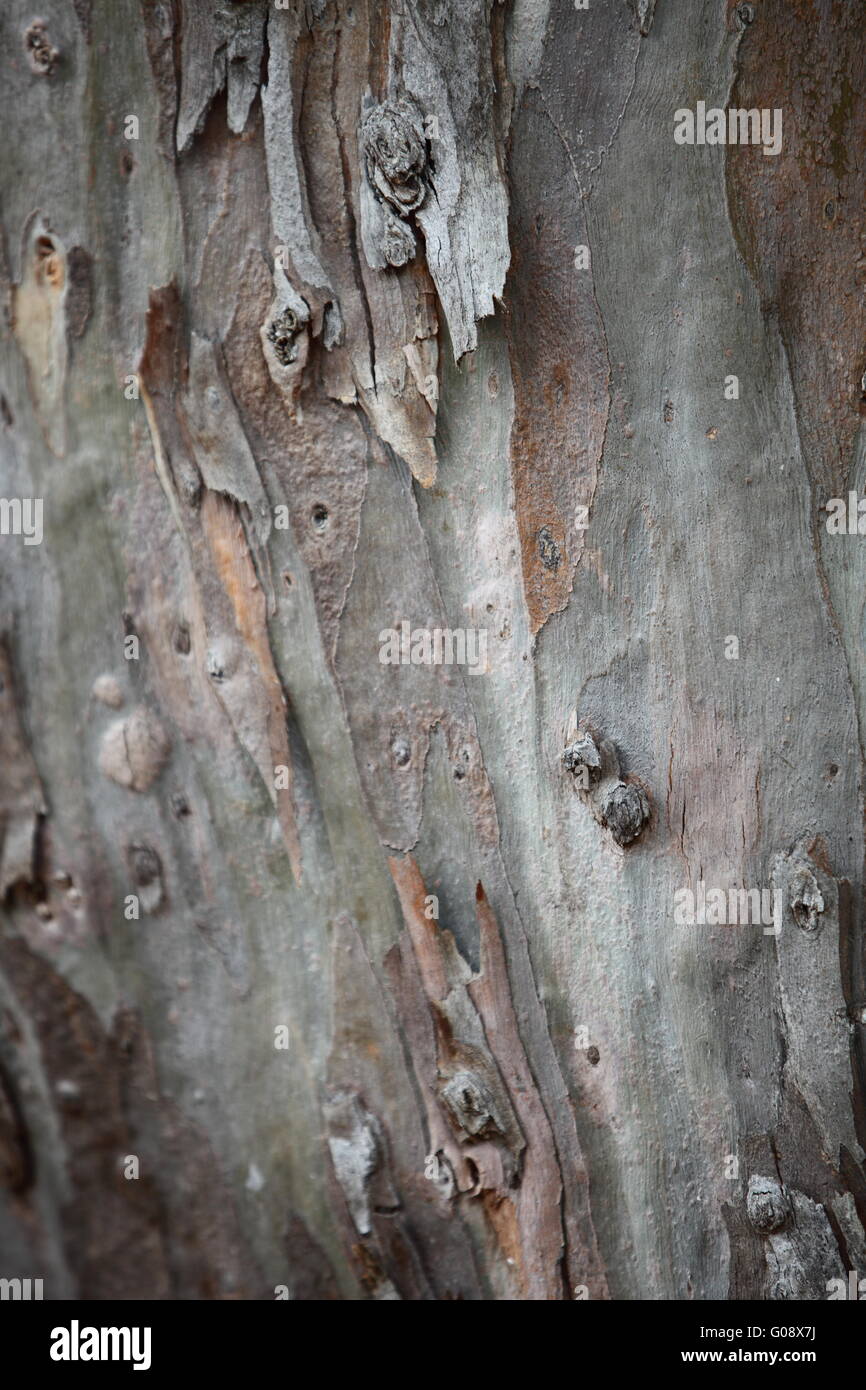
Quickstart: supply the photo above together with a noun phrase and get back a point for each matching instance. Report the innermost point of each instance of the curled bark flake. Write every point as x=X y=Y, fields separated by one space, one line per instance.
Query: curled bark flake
x=219 y=444
x=354 y=1156
x=359 y=1156
x=164 y=364
x=645 y=14
x=221 y=47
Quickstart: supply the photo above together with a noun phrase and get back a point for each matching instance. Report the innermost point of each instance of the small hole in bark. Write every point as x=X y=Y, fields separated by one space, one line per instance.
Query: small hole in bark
x=127 y=163
x=593 y=1056
x=215 y=666
x=668 y=412
x=461 y=768
x=401 y=752
x=49 y=266
x=832 y=771
x=830 y=210
x=320 y=516
x=144 y=864
x=6 y=413
x=287 y=579
x=181 y=639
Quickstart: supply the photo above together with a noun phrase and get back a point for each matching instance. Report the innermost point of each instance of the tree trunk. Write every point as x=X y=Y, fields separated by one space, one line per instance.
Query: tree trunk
x=345 y=960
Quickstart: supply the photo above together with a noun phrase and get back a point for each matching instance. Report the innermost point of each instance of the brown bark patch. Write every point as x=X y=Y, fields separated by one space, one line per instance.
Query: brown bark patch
x=798 y=216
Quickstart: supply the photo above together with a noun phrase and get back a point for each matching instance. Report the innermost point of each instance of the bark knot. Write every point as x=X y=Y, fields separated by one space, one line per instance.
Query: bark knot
x=620 y=804
x=134 y=750
x=583 y=760
x=625 y=812
x=471 y=1107
x=41 y=54
x=806 y=900
x=767 y=1204
x=283 y=333
x=395 y=153
x=395 y=158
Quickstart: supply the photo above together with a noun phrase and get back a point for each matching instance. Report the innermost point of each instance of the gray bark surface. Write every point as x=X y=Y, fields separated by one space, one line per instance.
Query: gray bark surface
x=311 y=354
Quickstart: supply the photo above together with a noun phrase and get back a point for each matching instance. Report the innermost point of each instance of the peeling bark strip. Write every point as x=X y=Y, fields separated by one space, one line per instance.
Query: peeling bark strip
x=557 y=345
x=266 y=737
x=221 y=46
x=486 y=1121
x=198 y=438
x=324 y=320
x=444 y=62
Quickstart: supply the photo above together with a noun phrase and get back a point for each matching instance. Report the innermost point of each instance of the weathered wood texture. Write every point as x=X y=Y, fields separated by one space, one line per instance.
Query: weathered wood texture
x=328 y=276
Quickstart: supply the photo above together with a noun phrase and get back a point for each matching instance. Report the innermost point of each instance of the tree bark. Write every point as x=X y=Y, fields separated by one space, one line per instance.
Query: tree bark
x=325 y=976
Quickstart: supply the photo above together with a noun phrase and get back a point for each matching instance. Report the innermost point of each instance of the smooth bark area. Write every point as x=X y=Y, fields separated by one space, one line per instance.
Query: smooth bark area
x=325 y=976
